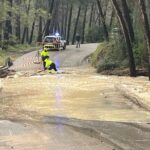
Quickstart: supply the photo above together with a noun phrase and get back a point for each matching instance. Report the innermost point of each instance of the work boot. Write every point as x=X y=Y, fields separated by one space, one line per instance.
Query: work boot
x=49 y=71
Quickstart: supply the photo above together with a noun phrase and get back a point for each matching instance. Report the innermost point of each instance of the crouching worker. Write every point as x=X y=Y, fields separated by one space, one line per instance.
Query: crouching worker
x=49 y=64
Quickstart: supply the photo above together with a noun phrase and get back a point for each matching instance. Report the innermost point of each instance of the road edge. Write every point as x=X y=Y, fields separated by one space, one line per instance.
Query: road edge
x=136 y=99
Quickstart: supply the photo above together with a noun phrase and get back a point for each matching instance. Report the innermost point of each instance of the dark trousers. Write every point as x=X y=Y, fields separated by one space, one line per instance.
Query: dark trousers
x=43 y=59
x=52 y=66
x=77 y=44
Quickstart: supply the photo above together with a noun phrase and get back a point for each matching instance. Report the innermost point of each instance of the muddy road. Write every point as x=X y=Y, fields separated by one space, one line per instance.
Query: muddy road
x=78 y=109
x=71 y=57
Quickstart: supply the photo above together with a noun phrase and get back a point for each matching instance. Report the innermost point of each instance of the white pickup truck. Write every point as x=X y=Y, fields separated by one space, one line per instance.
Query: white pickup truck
x=53 y=42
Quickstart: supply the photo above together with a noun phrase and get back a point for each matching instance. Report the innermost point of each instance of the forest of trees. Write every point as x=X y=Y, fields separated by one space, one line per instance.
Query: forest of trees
x=125 y=23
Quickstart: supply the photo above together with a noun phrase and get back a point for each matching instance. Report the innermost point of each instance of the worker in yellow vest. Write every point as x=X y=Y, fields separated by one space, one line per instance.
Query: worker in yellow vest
x=44 y=54
x=50 y=65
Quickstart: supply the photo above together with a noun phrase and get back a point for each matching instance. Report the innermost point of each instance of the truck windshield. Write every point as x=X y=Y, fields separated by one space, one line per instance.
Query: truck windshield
x=49 y=39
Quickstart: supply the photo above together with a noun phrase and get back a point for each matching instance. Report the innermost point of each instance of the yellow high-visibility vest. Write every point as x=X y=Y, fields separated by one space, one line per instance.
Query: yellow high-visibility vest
x=48 y=63
x=44 y=53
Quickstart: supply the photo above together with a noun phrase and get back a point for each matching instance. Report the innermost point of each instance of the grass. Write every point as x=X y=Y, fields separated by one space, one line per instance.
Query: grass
x=105 y=59
x=100 y=53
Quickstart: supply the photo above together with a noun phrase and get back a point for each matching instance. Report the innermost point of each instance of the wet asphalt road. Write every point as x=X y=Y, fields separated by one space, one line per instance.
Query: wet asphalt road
x=79 y=110
x=71 y=57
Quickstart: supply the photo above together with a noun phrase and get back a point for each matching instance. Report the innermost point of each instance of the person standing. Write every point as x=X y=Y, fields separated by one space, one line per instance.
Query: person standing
x=44 y=55
x=78 y=40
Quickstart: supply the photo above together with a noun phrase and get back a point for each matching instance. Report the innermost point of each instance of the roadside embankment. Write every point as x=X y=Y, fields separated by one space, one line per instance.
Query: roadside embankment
x=15 y=52
x=137 y=90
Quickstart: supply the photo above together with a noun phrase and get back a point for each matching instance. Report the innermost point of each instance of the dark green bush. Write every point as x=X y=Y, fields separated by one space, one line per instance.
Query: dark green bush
x=94 y=35
x=107 y=65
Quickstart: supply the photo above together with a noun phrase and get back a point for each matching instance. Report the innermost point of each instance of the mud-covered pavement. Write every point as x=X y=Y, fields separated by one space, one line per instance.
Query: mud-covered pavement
x=78 y=109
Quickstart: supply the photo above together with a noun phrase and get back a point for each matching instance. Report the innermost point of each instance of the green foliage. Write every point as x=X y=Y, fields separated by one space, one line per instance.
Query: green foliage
x=99 y=53
x=4 y=6
x=94 y=35
x=15 y=51
x=140 y=54
x=139 y=47
x=107 y=64
x=108 y=57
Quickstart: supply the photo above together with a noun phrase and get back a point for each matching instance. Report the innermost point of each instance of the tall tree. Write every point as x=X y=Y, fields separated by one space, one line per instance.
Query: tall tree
x=69 y=24
x=127 y=39
x=18 y=23
x=128 y=19
x=32 y=31
x=48 y=23
x=147 y=29
x=76 y=25
x=103 y=20
x=26 y=28
x=66 y=20
x=91 y=15
x=8 y=25
x=84 y=23
x=40 y=33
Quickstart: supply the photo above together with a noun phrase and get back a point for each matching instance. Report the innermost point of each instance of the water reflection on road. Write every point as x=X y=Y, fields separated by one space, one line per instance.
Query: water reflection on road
x=82 y=96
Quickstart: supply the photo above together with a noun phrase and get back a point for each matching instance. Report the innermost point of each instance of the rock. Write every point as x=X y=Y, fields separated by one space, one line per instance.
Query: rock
x=4 y=72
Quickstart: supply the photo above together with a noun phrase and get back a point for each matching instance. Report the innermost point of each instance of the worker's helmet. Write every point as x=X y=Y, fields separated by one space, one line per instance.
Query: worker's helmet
x=45 y=49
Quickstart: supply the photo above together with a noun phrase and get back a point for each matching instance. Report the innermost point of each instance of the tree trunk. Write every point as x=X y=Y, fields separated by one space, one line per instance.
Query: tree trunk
x=69 y=24
x=76 y=25
x=24 y=35
x=127 y=39
x=146 y=28
x=1 y=34
x=148 y=10
x=91 y=16
x=62 y=18
x=26 y=29
x=32 y=31
x=18 y=23
x=8 y=26
x=27 y=35
x=49 y=20
x=18 y=28
x=84 y=23
x=54 y=19
x=40 y=33
x=111 y=19
x=66 y=19
x=128 y=19
x=103 y=20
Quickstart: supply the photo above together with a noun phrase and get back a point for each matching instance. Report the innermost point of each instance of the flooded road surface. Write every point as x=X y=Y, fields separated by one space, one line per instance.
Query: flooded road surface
x=46 y=137
x=77 y=109
x=74 y=95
